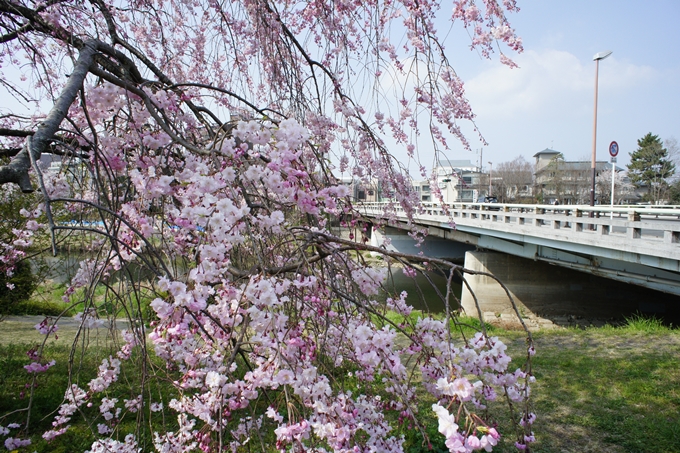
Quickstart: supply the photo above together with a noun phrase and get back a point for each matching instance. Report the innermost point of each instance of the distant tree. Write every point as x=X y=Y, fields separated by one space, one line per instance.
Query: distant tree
x=623 y=188
x=513 y=179
x=673 y=149
x=556 y=182
x=674 y=155
x=651 y=168
x=674 y=193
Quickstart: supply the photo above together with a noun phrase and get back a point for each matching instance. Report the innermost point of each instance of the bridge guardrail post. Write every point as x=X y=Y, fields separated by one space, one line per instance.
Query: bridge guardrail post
x=634 y=233
x=671 y=237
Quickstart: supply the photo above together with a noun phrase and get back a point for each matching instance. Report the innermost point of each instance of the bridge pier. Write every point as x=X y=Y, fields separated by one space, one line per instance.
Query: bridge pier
x=549 y=291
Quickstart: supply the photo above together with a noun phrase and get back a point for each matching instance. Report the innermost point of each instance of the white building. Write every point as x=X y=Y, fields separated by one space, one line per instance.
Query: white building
x=460 y=181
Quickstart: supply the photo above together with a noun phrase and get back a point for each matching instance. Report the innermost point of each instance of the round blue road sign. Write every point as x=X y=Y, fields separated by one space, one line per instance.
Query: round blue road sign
x=613 y=149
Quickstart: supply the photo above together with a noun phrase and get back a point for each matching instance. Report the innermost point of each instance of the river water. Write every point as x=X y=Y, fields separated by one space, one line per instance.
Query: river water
x=425 y=290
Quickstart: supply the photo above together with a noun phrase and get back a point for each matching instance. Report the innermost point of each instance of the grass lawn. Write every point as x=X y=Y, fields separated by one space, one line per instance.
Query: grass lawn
x=597 y=390
x=607 y=390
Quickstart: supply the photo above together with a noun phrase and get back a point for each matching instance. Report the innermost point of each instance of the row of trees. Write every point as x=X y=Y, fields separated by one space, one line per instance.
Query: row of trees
x=514 y=182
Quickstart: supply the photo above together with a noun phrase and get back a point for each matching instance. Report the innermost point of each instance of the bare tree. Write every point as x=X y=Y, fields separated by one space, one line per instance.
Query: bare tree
x=673 y=150
x=514 y=180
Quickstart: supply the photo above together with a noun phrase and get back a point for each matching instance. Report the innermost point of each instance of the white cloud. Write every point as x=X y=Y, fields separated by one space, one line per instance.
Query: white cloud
x=547 y=83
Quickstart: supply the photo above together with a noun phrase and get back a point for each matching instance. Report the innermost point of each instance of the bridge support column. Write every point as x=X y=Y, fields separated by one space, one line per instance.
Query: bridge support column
x=491 y=296
x=546 y=290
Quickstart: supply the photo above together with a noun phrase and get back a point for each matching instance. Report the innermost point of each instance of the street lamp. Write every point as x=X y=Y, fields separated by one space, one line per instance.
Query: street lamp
x=490 y=169
x=598 y=56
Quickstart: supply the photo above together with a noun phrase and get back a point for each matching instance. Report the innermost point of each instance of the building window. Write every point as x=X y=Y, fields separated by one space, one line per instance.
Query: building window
x=467 y=195
x=362 y=195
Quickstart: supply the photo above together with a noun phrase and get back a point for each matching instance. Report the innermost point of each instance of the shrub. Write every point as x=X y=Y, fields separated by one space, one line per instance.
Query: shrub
x=16 y=289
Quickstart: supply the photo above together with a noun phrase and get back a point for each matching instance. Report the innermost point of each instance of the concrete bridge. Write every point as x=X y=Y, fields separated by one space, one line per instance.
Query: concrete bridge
x=636 y=245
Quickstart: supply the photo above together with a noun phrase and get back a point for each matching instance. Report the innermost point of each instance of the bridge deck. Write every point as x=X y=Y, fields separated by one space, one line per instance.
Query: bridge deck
x=624 y=242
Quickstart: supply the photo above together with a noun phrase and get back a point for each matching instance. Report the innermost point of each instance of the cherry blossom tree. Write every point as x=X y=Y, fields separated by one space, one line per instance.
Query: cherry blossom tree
x=200 y=146
x=624 y=190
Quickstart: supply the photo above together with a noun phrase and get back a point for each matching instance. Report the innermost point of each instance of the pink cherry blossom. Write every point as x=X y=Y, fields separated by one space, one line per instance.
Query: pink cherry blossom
x=12 y=443
x=36 y=367
x=208 y=153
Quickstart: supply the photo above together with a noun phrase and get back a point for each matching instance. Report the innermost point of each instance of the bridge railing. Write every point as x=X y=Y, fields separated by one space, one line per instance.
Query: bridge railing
x=635 y=228
x=632 y=212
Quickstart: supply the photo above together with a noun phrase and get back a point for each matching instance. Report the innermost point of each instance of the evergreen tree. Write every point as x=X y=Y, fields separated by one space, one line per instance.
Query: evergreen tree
x=650 y=167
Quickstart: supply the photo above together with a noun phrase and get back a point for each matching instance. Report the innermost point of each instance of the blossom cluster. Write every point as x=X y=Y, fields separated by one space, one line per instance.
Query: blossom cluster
x=230 y=338
x=46 y=326
x=13 y=443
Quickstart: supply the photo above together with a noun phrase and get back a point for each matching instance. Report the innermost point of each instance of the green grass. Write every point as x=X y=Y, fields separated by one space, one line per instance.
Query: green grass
x=49 y=387
x=644 y=324
x=47 y=300
x=613 y=389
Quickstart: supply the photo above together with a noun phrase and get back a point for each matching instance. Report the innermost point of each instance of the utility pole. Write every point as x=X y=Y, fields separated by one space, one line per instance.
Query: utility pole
x=490 y=184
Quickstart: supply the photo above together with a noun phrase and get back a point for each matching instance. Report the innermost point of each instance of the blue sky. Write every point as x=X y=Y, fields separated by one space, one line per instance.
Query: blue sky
x=548 y=101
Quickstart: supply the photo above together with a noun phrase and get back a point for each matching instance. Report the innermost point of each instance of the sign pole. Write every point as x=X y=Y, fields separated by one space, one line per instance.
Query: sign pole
x=613 y=179
x=613 y=151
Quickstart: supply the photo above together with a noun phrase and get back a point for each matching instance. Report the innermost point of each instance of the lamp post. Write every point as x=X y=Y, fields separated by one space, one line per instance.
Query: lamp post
x=490 y=169
x=598 y=56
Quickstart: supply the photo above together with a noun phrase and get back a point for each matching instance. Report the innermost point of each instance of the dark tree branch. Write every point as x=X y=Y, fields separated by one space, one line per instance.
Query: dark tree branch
x=115 y=38
x=15 y=34
x=14 y=132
